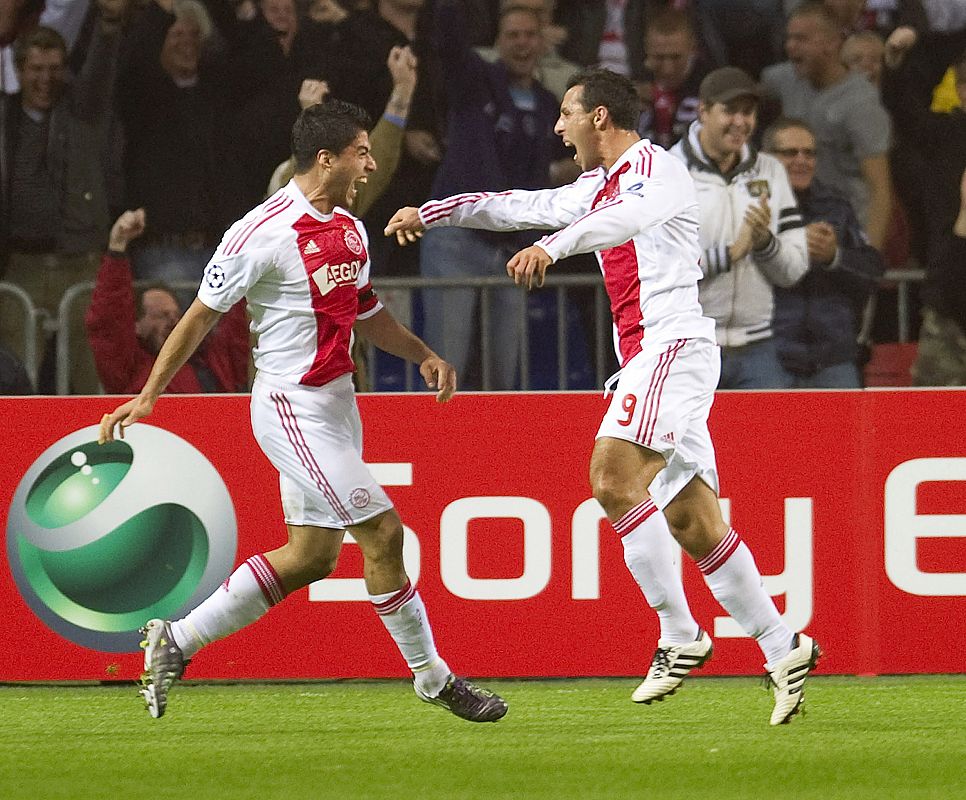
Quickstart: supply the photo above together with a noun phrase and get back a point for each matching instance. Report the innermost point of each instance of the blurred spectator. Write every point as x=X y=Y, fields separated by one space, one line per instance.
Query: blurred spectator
x=881 y=16
x=400 y=23
x=13 y=375
x=844 y=111
x=174 y=159
x=608 y=33
x=386 y=137
x=500 y=136
x=817 y=321
x=676 y=70
x=751 y=230
x=113 y=15
x=937 y=140
x=741 y=33
x=127 y=331
x=942 y=338
x=553 y=70
x=862 y=52
x=53 y=201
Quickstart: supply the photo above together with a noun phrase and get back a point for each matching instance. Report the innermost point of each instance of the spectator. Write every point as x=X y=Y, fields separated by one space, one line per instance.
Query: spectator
x=844 y=110
x=53 y=200
x=750 y=229
x=862 y=52
x=937 y=140
x=676 y=70
x=605 y=32
x=127 y=331
x=741 y=33
x=880 y=16
x=386 y=137
x=817 y=321
x=500 y=135
x=553 y=70
x=172 y=164
x=399 y=23
x=942 y=338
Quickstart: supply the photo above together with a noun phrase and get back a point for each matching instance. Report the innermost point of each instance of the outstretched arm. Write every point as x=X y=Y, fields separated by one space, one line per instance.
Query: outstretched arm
x=386 y=333
x=178 y=348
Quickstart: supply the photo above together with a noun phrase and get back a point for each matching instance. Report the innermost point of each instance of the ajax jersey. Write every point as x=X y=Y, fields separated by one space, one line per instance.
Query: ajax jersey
x=305 y=276
x=641 y=219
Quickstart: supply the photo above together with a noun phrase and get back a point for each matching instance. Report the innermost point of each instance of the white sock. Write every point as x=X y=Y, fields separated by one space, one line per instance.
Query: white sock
x=404 y=615
x=733 y=578
x=248 y=593
x=647 y=552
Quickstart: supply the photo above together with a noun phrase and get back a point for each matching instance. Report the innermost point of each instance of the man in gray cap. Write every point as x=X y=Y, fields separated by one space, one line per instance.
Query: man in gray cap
x=752 y=233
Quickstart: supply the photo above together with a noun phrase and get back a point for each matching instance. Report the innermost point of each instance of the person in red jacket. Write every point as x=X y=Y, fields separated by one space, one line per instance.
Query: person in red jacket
x=126 y=331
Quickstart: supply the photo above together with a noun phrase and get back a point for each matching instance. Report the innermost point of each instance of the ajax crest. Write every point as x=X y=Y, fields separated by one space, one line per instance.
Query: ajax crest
x=101 y=538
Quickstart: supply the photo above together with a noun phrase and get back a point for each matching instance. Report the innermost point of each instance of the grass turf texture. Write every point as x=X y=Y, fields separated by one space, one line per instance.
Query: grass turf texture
x=861 y=739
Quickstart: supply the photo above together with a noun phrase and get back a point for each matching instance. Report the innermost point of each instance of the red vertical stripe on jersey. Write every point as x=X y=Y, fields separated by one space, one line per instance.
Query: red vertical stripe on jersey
x=623 y=284
x=331 y=268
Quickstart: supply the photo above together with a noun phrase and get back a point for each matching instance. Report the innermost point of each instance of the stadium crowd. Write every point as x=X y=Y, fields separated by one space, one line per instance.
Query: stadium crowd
x=831 y=148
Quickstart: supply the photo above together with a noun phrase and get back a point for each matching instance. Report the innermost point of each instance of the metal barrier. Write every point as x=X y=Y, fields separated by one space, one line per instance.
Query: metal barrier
x=559 y=284
x=33 y=318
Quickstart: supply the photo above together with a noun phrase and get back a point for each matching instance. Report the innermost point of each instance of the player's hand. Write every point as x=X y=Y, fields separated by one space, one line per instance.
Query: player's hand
x=822 y=244
x=439 y=375
x=529 y=266
x=123 y=417
x=406 y=224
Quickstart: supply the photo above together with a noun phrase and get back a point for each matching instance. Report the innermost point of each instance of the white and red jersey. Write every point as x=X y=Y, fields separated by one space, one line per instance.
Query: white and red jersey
x=641 y=219
x=306 y=278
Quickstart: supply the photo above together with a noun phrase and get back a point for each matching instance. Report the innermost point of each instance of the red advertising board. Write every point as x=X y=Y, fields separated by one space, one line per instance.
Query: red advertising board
x=854 y=504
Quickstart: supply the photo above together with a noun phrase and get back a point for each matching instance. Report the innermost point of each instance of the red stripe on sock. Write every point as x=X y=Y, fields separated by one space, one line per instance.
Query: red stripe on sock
x=721 y=553
x=267 y=579
x=397 y=601
x=634 y=517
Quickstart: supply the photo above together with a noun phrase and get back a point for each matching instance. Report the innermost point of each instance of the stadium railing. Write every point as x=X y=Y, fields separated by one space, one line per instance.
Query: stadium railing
x=560 y=347
x=34 y=318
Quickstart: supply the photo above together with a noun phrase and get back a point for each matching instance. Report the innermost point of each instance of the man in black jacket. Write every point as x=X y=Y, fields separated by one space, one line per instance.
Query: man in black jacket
x=53 y=200
x=816 y=321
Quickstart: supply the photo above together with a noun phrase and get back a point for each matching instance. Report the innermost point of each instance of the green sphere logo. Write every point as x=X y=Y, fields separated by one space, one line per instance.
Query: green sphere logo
x=102 y=538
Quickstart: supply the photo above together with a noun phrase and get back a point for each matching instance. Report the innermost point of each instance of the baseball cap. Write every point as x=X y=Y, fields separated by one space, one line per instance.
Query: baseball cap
x=725 y=84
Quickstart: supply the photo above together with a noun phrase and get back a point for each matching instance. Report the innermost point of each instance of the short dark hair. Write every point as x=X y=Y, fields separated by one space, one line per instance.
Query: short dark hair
x=778 y=126
x=616 y=93
x=670 y=21
x=154 y=286
x=817 y=9
x=330 y=125
x=41 y=37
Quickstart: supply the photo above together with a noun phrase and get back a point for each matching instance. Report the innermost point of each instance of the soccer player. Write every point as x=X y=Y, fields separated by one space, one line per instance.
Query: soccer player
x=653 y=467
x=301 y=261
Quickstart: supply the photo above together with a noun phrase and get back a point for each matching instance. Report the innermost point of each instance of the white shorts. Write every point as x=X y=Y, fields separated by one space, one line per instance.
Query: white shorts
x=313 y=436
x=662 y=401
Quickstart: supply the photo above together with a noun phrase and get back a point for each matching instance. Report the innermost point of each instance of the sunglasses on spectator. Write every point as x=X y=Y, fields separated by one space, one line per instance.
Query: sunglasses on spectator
x=791 y=152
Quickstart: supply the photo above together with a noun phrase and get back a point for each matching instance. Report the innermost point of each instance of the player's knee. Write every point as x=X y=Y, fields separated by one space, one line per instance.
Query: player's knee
x=382 y=541
x=612 y=492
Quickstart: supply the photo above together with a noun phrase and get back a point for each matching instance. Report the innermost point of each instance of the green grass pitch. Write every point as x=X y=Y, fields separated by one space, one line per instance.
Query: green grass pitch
x=861 y=739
